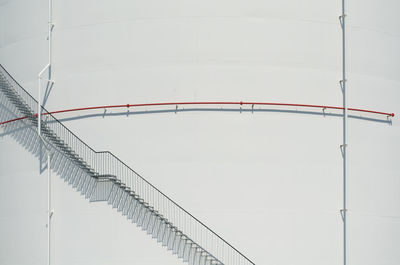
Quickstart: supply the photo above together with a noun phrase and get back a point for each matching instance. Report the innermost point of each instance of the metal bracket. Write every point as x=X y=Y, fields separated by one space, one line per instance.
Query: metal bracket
x=323 y=110
x=342 y=149
x=341 y=18
x=176 y=109
x=341 y=82
x=52 y=25
x=252 y=108
x=48 y=80
x=342 y=211
x=50 y=215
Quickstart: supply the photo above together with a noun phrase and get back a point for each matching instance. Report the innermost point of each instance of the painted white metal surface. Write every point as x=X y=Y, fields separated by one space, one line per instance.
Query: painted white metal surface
x=270 y=183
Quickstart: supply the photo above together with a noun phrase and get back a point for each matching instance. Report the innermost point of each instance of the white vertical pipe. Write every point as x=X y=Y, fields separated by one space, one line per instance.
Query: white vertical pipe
x=344 y=146
x=48 y=66
x=49 y=212
x=50 y=31
x=39 y=108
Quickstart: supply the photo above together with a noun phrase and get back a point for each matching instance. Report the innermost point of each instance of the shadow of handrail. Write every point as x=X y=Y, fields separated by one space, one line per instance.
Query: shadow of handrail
x=147 y=112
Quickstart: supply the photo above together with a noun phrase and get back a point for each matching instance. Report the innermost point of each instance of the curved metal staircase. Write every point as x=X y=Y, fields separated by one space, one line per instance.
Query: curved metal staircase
x=100 y=176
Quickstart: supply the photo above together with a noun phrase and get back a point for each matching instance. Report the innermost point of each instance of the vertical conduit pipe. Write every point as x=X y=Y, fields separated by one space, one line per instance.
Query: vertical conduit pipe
x=48 y=205
x=48 y=66
x=344 y=146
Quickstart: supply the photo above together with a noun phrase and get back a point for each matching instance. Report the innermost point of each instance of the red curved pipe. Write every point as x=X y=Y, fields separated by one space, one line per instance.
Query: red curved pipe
x=207 y=103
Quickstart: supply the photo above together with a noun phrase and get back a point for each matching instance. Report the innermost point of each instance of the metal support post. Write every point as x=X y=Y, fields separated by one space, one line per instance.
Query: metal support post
x=49 y=81
x=49 y=211
x=344 y=146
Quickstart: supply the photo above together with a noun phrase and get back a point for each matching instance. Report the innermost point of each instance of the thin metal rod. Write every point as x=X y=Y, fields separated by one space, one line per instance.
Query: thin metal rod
x=39 y=105
x=39 y=114
x=344 y=146
x=50 y=31
x=49 y=211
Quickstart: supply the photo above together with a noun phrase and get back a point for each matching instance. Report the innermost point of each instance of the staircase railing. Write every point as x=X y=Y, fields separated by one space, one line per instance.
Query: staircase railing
x=105 y=163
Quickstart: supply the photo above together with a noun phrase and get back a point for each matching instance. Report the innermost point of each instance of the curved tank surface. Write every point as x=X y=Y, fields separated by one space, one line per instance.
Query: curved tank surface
x=267 y=179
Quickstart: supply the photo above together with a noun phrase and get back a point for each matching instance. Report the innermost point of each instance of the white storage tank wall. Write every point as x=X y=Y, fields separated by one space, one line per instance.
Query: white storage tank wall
x=269 y=183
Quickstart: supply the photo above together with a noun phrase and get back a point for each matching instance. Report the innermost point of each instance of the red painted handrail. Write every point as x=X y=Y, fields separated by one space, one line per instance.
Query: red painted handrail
x=207 y=103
